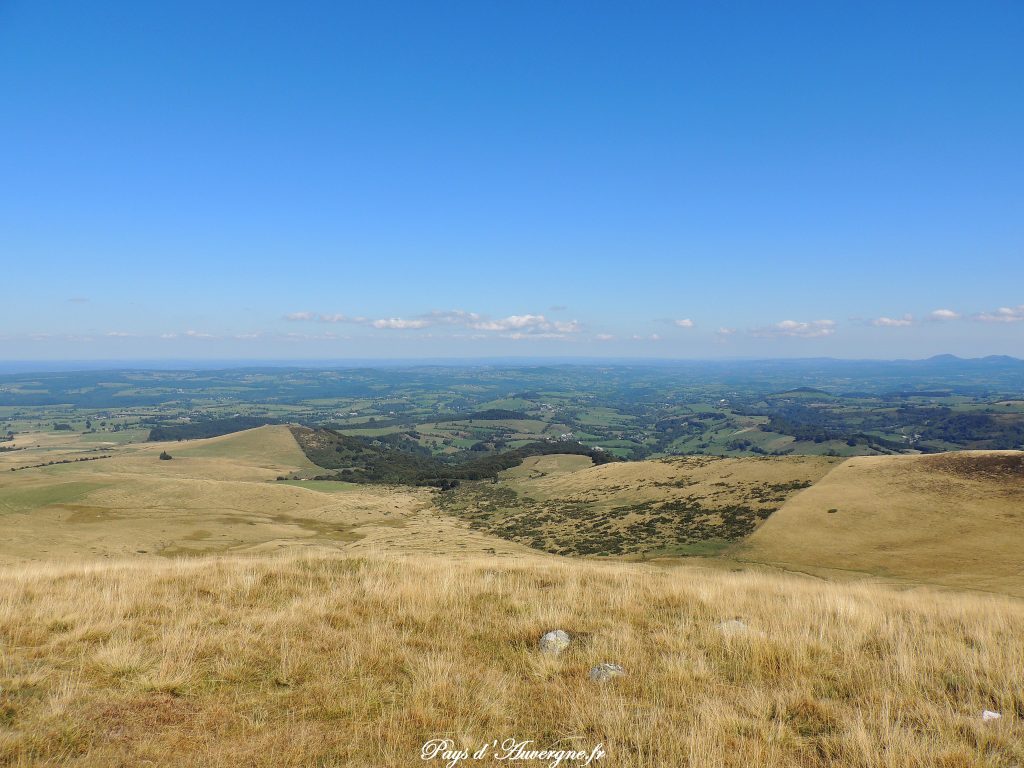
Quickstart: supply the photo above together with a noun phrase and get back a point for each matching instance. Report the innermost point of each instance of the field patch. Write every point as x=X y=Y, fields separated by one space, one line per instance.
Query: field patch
x=536 y=467
x=24 y=499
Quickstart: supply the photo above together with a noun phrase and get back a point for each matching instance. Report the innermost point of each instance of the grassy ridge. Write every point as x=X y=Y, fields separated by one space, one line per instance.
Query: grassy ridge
x=334 y=661
x=953 y=518
x=210 y=428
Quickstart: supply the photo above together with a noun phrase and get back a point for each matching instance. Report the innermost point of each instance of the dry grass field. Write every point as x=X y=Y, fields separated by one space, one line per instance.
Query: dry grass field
x=955 y=519
x=724 y=481
x=196 y=612
x=216 y=495
x=356 y=661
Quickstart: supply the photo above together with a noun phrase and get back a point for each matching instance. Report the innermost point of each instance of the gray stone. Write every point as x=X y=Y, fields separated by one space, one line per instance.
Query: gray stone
x=602 y=673
x=555 y=641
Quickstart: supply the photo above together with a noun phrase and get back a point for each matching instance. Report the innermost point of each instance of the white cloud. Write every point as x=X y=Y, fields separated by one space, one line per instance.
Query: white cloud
x=511 y=322
x=893 y=322
x=452 y=317
x=684 y=323
x=536 y=325
x=798 y=330
x=397 y=323
x=532 y=324
x=46 y=337
x=314 y=337
x=1003 y=315
x=604 y=337
x=198 y=335
x=944 y=314
x=520 y=335
x=119 y=335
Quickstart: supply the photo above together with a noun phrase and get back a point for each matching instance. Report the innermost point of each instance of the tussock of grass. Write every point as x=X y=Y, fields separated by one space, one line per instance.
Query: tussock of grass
x=340 y=661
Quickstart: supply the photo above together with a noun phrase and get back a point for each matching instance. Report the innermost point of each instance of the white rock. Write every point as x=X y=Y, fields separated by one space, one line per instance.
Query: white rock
x=733 y=627
x=555 y=641
x=988 y=714
x=602 y=673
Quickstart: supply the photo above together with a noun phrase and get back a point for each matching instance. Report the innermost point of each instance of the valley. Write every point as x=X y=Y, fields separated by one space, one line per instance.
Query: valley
x=287 y=594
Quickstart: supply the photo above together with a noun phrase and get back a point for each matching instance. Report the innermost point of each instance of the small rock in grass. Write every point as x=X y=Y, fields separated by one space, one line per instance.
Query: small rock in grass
x=602 y=673
x=988 y=714
x=734 y=627
x=555 y=641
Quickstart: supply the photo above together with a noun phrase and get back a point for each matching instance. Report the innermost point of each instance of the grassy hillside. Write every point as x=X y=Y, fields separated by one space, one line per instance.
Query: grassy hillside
x=268 y=447
x=952 y=519
x=209 y=428
x=693 y=505
x=337 y=661
x=955 y=518
x=323 y=623
x=215 y=495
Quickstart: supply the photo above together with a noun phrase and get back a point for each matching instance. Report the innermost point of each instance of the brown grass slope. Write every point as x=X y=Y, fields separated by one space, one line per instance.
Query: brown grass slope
x=216 y=495
x=342 y=661
x=955 y=519
x=690 y=505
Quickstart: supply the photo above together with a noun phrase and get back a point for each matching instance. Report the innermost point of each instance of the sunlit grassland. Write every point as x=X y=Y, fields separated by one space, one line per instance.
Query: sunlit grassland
x=344 y=661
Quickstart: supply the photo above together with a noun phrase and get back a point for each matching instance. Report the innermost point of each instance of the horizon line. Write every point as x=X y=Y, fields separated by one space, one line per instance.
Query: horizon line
x=68 y=365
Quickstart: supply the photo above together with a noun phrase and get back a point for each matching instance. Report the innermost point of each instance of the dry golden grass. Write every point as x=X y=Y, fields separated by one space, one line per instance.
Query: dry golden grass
x=675 y=507
x=955 y=519
x=344 y=661
x=355 y=636
x=716 y=480
x=215 y=496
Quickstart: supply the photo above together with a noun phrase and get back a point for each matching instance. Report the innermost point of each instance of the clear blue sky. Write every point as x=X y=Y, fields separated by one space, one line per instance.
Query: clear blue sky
x=311 y=180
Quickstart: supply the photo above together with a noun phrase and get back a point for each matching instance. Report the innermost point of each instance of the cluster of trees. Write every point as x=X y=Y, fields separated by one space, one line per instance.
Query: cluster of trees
x=932 y=423
x=400 y=460
x=62 y=461
x=489 y=414
x=745 y=445
x=978 y=430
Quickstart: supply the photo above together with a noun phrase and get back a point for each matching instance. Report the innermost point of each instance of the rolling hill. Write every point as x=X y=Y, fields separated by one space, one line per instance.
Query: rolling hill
x=215 y=495
x=954 y=519
x=198 y=611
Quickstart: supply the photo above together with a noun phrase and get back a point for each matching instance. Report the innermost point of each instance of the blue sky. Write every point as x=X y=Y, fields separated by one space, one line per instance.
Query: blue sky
x=332 y=180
